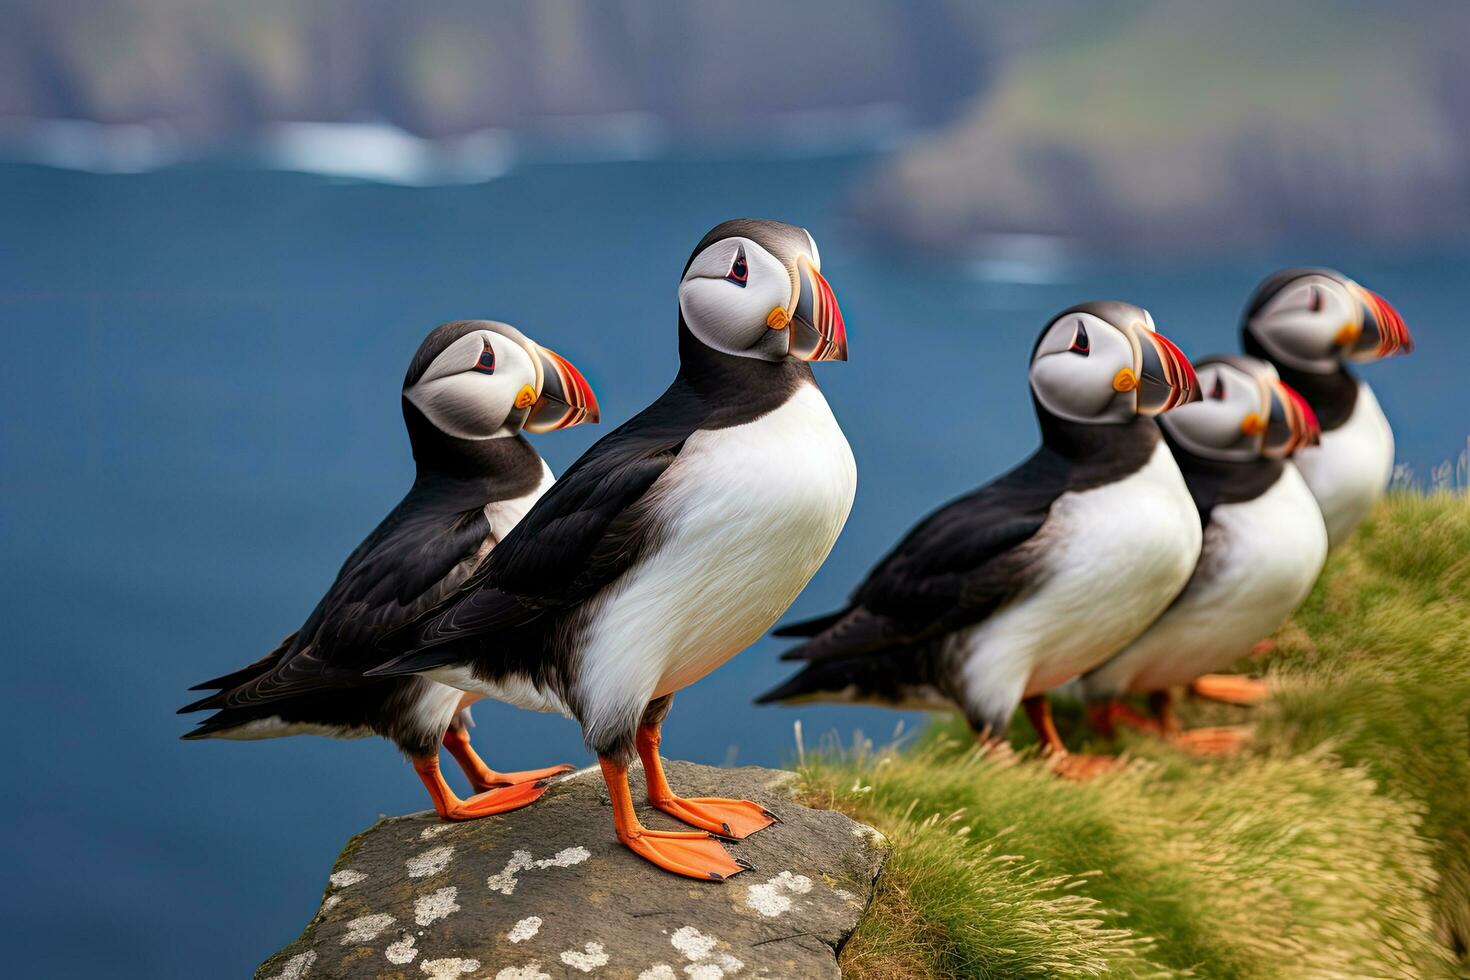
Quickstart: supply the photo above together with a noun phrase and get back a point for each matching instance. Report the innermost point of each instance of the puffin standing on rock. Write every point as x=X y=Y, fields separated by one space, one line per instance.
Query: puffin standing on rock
x=1310 y=323
x=1264 y=545
x=471 y=389
x=674 y=542
x=1042 y=574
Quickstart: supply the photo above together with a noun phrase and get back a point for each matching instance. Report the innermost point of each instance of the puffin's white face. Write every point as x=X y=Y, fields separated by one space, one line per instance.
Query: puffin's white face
x=470 y=390
x=1316 y=320
x=1107 y=364
x=1246 y=413
x=489 y=384
x=739 y=298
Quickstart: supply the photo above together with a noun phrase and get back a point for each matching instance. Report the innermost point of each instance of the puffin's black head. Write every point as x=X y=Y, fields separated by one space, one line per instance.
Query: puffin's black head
x=754 y=288
x=1103 y=362
x=1247 y=413
x=473 y=380
x=1314 y=320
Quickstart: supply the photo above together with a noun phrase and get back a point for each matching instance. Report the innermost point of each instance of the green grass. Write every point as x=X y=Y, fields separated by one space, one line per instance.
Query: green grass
x=1339 y=845
x=1377 y=664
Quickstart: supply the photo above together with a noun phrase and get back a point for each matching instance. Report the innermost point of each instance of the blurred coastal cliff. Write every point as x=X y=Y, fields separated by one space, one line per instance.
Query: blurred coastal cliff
x=1140 y=126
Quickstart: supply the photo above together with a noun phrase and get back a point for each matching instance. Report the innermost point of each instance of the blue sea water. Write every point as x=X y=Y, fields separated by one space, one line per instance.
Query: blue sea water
x=200 y=375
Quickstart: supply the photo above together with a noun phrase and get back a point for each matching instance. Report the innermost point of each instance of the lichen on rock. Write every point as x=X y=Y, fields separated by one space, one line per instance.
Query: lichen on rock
x=548 y=892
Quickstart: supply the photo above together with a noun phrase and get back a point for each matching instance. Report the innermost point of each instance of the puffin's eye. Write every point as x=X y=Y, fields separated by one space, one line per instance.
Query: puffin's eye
x=486 y=363
x=739 y=272
x=1314 y=299
x=1080 y=343
x=1218 y=391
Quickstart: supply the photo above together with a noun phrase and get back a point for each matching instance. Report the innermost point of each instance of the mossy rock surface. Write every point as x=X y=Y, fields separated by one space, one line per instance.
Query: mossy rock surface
x=548 y=892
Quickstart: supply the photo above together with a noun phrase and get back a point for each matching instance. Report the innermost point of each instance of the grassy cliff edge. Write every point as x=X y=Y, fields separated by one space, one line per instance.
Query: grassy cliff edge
x=1338 y=845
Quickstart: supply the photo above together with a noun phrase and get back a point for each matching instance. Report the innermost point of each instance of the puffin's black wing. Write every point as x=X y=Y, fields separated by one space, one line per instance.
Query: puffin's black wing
x=420 y=552
x=588 y=529
x=952 y=570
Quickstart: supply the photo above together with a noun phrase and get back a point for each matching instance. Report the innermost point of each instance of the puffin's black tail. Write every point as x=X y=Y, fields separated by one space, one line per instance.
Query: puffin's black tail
x=809 y=627
x=235 y=678
x=811 y=681
x=221 y=721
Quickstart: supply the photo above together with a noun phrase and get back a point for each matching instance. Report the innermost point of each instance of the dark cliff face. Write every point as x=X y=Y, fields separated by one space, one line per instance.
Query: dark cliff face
x=1204 y=127
x=549 y=892
x=1145 y=126
x=218 y=68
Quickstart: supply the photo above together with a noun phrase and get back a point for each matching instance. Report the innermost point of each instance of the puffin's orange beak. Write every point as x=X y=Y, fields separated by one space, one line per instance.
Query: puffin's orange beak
x=1291 y=424
x=1166 y=379
x=566 y=397
x=817 y=330
x=1384 y=332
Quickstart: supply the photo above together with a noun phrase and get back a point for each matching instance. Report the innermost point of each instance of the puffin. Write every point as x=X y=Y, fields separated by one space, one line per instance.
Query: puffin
x=1264 y=543
x=1311 y=324
x=471 y=389
x=672 y=544
x=1042 y=574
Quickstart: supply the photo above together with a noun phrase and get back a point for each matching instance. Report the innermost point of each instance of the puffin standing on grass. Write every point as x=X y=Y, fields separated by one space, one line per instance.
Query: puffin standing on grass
x=674 y=542
x=1042 y=574
x=1264 y=545
x=471 y=389
x=1310 y=323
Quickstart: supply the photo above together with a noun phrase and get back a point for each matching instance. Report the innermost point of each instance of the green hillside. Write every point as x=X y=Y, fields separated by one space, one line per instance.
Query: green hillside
x=1338 y=845
x=1150 y=125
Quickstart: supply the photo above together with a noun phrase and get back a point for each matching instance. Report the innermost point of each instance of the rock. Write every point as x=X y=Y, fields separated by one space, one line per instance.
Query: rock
x=548 y=892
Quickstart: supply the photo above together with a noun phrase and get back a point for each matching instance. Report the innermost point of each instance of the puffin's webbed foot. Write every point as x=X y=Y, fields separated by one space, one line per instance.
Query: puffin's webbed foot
x=494 y=801
x=451 y=807
x=735 y=819
x=490 y=779
x=694 y=855
x=1107 y=717
x=481 y=776
x=1225 y=740
x=1080 y=767
x=1058 y=759
x=1231 y=689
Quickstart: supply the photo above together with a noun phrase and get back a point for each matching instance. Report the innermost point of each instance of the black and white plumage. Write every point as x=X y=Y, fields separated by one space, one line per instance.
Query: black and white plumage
x=1264 y=539
x=1310 y=324
x=1043 y=573
x=674 y=542
x=472 y=387
x=667 y=548
x=679 y=538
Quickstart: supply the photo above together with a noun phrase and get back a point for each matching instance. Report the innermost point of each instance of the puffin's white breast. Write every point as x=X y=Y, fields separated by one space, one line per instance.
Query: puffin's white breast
x=1114 y=558
x=506 y=514
x=1349 y=471
x=745 y=515
x=1259 y=561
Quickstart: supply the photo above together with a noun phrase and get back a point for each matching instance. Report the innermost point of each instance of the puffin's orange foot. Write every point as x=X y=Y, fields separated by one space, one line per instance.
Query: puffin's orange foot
x=1125 y=716
x=735 y=819
x=494 y=801
x=695 y=855
x=1213 y=741
x=1075 y=766
x=490 y=779
x=1232 y=689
